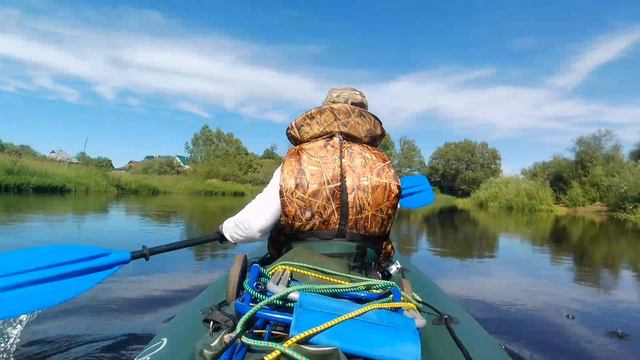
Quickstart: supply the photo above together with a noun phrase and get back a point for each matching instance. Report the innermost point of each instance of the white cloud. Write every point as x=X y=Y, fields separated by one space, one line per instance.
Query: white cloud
x=78 y=59
x=45 y=82
x=193 y=109
x=212 y=70
x=498 y=110
x=604 y=50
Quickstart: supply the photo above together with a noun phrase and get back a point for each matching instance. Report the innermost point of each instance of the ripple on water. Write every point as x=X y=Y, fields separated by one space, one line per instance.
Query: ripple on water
x=10 y=331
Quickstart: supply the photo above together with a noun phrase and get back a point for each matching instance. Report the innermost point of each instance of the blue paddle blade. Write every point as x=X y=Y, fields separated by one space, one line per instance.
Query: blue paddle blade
x=416 y=192
x=38 y=278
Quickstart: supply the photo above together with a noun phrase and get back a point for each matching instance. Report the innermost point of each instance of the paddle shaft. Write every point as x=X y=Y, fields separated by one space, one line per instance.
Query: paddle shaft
x=147 y=252
x=416 y=188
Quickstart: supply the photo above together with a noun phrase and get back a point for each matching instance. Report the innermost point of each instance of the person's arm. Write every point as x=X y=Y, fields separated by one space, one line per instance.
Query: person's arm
x=255 y=221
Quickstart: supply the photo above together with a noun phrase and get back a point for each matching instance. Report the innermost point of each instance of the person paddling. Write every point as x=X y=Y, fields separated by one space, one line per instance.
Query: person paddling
x=333 y=183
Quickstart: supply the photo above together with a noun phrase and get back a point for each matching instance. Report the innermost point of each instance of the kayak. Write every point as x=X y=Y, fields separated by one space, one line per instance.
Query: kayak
x=449 y=332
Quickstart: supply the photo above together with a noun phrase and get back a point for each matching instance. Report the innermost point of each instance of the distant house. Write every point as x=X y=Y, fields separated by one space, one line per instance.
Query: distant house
x=179 y=160
x=128 y=166
x=182 y=161
x=62 y=156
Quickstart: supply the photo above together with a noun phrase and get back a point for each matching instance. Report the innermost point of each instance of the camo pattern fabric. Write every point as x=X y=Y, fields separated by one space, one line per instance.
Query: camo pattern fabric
x=310 y=192
x=373 y=189
x=346 y=95
x=353 y=123
x=310 y=187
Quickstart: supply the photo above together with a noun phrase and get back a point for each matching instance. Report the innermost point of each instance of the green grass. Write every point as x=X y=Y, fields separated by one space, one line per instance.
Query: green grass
x=512 y=194
x=34 y=175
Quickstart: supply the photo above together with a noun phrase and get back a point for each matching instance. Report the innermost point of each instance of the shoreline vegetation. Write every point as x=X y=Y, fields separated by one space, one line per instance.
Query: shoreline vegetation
x=42 y=176
x=597 y=180
x=219 y=165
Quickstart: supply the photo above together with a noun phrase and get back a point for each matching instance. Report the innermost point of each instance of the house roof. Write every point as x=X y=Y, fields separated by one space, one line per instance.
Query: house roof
x=183 y=159
x=61 y=155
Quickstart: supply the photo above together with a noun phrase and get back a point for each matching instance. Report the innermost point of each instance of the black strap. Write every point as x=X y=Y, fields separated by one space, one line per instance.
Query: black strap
x=371 y=241
x=344 y=196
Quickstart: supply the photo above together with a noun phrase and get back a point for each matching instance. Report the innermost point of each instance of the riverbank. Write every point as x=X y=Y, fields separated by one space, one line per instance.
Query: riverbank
x=511 y=194
x=34 y=175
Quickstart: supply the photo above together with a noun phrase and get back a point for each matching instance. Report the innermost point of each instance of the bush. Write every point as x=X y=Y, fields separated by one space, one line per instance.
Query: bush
x=239 y=169
x=559 y=173
x=576 y=196
x=100 y=161
x=513 y=194
x=17 y=150
x=634 y=154
x=163 y=165
x=32 y=175
x=623 y=189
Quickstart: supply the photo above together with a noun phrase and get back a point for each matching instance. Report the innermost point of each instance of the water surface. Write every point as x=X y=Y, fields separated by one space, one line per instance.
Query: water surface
x=518 y=275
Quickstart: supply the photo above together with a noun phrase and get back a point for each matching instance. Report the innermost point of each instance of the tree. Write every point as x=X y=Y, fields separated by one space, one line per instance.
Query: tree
x=207 y=144
x=459 y=168
x=103 y=162
x=17 y=150
x=634 y=154
x=559 y=173
x=601 y=148
x=270 y=153
x=409 y=159
x=100 y=161
x=388 y=147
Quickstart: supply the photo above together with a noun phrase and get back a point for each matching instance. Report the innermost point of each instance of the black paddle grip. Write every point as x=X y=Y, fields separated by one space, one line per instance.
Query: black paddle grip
x=146 y=252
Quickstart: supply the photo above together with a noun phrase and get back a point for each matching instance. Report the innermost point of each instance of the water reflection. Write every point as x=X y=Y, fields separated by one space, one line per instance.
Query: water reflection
x=598 y=250
x=507 y=269
x=457 y=233
x=18 y=208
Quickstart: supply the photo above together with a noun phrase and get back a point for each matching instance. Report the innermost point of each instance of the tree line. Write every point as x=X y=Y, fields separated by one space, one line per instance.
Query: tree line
x=215 y=154
x=27 y=151
x=596 y=171
x=456 y=168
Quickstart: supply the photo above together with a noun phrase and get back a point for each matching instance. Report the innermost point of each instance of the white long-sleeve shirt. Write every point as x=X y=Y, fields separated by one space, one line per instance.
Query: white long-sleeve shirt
x=255 y=221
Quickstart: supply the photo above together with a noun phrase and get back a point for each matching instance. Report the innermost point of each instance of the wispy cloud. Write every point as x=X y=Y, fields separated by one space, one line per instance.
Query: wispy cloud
x=193 y=109
x=494 y=109
x=199 y=73
x=602 y=51
x=212 y=70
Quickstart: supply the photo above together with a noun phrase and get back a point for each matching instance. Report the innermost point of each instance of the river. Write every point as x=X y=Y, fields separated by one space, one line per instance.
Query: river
x=547 y=287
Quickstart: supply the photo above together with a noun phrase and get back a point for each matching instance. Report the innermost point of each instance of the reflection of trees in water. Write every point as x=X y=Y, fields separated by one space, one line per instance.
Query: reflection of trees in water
x=199 y=214
x=15 y=208
x=407 y=231
x=599 y=250
x=457 y=233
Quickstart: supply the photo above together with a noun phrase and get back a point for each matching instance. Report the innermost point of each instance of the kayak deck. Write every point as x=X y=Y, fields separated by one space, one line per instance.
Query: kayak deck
x=185 y=337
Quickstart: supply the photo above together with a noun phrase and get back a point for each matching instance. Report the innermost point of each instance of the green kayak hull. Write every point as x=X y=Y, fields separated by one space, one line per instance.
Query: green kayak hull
x=182 y=338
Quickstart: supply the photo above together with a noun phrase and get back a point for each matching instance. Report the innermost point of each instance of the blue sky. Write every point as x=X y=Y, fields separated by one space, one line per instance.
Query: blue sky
x=141 y=77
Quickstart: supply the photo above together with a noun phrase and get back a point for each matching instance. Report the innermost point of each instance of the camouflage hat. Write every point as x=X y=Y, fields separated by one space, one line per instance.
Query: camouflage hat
x=346 y=95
